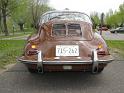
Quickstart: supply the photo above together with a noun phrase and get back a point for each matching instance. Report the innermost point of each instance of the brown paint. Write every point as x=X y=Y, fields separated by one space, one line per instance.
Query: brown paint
x=46 y=42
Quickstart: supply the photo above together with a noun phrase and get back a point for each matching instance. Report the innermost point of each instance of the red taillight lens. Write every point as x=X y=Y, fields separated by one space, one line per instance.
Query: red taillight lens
x=32 y=52
x=101 y=53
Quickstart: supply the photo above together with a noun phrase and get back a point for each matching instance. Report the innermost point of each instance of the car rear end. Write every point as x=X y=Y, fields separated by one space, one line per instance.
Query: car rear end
x=69 y=46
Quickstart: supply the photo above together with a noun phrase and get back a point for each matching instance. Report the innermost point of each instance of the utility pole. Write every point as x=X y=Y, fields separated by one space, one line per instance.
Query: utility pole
x=102 y=22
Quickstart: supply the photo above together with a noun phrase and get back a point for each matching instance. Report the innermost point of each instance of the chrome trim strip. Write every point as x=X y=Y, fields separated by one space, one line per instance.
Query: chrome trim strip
x=64 y=62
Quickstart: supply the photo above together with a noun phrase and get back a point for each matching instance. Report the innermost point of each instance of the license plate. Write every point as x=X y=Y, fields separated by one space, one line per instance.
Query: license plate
x=67 y=50
x=67 y=67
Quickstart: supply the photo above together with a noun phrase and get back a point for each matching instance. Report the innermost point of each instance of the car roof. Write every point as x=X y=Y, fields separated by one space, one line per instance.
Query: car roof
x=66 y=11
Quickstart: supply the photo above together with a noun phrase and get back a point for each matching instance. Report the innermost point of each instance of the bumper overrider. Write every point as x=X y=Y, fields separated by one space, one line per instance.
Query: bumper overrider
x=94 y=62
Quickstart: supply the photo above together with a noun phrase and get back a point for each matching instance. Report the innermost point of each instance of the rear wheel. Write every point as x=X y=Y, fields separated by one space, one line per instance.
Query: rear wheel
x=32 y=70
x=112 y=31
x=100 y=70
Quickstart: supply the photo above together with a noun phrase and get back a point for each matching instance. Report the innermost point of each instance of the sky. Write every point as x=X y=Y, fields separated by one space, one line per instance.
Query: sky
x=86 y=6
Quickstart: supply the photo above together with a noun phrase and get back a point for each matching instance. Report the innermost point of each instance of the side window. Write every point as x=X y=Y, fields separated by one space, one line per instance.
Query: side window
x=74 y=30
x=59 y=30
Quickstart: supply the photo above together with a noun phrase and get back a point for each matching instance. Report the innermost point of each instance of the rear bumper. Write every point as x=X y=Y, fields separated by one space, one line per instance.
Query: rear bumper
x=93 y=64
x=48 y=66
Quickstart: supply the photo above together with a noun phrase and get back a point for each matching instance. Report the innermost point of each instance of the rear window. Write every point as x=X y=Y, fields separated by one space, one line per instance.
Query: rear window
x=74 y=30
x=70 y=30
x=59 y=29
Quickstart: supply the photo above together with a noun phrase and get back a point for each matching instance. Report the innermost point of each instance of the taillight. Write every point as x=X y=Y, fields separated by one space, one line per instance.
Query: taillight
x=32 y=52
x=100 y=50
x=101 y=53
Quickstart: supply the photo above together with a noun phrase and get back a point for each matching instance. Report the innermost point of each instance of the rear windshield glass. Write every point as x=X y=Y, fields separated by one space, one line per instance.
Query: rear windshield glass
x=59 y=29
x=74 y=30
x=70 y=30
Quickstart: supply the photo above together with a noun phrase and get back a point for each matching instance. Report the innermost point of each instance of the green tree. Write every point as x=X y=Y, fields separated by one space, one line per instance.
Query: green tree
x=0 y=20
x=121 y=13
x=37 y=8
x=20 y=13
x=95 y=18
x=6 y=7
x=28 y=11
x=115 y=19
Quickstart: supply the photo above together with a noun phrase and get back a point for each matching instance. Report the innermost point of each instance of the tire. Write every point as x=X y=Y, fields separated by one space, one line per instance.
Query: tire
x=100 y=70
x=32 y=70
x=112 y=32
x=116 y=32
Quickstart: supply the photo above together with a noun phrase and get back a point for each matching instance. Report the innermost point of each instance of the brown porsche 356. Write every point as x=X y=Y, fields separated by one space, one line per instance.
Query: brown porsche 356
x=65 y=42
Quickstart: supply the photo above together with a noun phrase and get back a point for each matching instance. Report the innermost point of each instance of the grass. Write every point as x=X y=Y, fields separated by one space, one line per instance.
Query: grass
x=12 y=36
x=17 y=34
x=27 y=31
x=11 y=49
x=116 y=45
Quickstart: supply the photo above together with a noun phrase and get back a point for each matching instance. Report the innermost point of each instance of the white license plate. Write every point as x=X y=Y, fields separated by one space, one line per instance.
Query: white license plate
x=67 y=50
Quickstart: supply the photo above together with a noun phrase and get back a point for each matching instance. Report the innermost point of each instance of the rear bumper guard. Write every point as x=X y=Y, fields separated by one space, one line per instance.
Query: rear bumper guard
x=95 y=62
